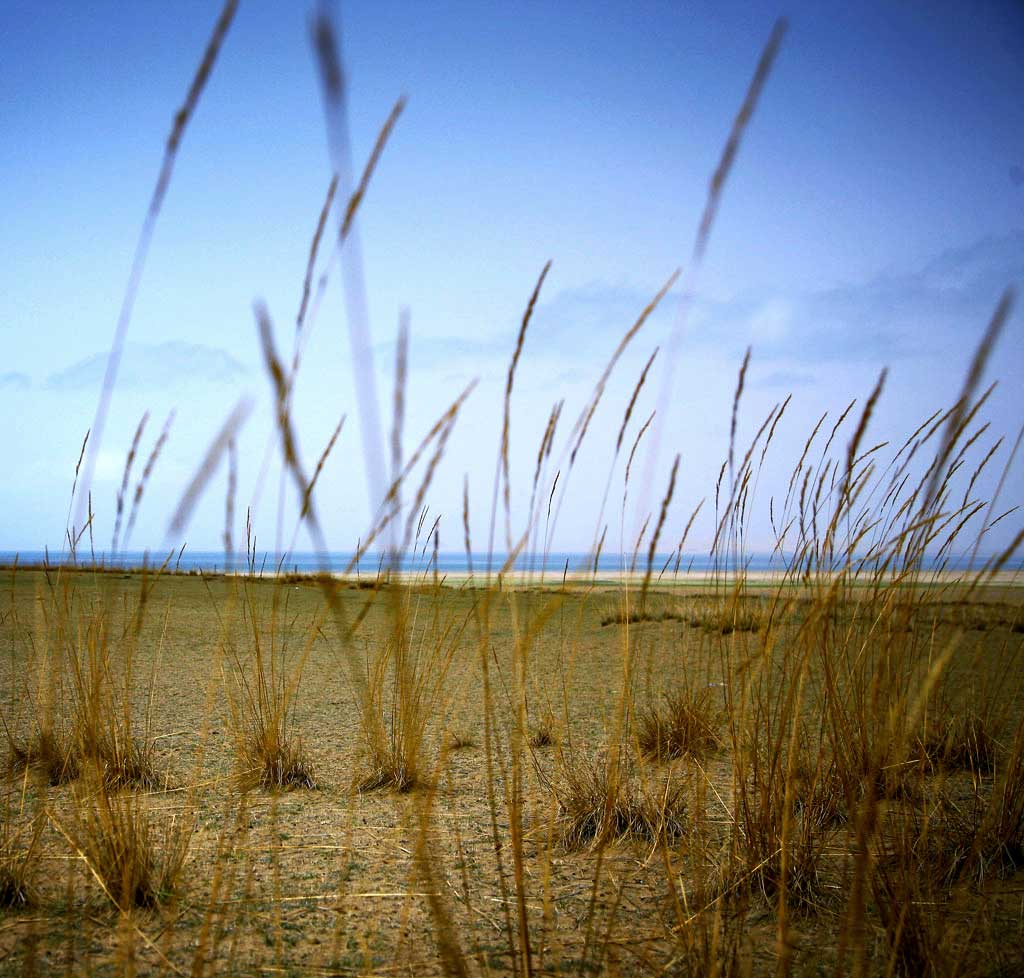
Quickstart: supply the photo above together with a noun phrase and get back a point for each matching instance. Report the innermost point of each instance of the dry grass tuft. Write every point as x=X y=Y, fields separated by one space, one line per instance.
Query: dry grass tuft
x=601 y=800
x=261 y=697
x=136 y=864
x=15 y=890
x=405 y=695
x=125 y=764
x=272 y=762
x=785 y=821
x=819 y=796
x=49 y=753
x=389 y=770
x=961 y=742
x=684 y=724
x=99 y=674
x=458 y=740
x=638 y=615
x=19 y=862
x=1000 y=836
x=727 y=620
x=544 y=733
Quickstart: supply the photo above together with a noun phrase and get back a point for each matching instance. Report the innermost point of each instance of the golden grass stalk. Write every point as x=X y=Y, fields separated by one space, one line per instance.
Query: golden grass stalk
x=229 y=503
x=579 y=431
x=228 y=431
x=178 y=127
x=656 y=536
x=735 y=409
x=147 y=472
x=732 y=144
x=307 y=279
x=126 y=475
x=957 y=417
x=507 y=404
x=325 y=40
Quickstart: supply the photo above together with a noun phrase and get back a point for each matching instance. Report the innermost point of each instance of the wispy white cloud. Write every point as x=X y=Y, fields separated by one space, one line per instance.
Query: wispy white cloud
x=428 y=353
x=155 y=367
x=936 y=310
x=789 y=380
x=13 y=381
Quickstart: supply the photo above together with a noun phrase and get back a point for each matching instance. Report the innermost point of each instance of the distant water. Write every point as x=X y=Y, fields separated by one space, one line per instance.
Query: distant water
x=453 y=562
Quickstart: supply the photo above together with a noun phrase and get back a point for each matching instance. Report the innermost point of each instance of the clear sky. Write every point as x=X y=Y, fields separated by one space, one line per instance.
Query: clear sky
x=873 y=217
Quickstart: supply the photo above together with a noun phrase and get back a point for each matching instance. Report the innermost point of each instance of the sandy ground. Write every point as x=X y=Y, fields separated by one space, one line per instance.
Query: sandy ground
x=326 y=880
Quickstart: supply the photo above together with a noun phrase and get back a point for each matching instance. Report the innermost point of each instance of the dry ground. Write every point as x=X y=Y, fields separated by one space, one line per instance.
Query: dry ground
x=328 y=881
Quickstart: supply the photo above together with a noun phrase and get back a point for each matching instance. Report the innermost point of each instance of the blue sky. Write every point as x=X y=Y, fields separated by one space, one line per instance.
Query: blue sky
x=875 y=212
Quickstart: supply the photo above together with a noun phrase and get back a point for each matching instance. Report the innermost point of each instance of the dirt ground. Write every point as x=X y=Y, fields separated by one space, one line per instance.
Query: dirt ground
x=327 y=881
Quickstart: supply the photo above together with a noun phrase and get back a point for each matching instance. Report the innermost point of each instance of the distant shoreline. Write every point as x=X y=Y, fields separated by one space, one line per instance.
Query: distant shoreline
x=554 y=563
x=548 y=579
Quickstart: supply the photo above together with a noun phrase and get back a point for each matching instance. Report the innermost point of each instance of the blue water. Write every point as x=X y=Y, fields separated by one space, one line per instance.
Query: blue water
x=454 y=562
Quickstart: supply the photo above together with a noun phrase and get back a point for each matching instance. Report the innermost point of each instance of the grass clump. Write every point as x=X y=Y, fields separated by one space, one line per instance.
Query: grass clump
x=19 y=861
x=262 y=692
x=101 y=738
x=406 y=690
x=125 y=764
x=819 y=794
x=725 y=621
x=49 y=753
x=909 y=905
x=455 y=739
x=271 y=761
x=963 y=742
x=789 y=799
x=638 y=615
x=1000 y=838
x=683 y=724
x=601 y=800
x=389 y=770
x=15 y=890
x=136 y=864
x=81 y=712
x=543 y=732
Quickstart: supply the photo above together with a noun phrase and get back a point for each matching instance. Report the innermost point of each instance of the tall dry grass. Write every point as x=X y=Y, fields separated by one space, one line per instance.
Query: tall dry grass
x=262 y=689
